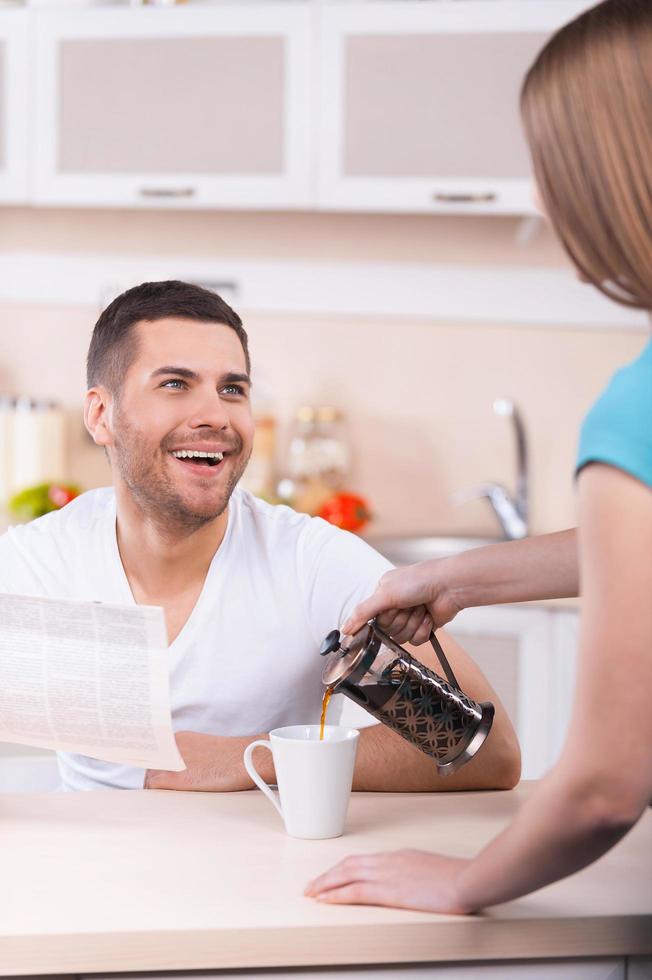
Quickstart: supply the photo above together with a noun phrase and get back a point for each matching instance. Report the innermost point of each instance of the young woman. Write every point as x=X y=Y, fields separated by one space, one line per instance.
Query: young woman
x=587 y=109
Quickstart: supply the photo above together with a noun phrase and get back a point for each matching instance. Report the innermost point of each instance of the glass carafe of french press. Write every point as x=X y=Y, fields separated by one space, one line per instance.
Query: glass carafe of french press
x=427 y=710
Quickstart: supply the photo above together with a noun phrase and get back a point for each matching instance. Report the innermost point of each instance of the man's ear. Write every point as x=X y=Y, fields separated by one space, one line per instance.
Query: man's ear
x=97 y=411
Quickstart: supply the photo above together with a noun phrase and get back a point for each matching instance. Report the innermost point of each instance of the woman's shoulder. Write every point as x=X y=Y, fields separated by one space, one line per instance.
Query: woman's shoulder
x=618 y=428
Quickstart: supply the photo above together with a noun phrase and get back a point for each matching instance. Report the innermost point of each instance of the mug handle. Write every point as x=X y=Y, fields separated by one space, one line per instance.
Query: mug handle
x=257 y=778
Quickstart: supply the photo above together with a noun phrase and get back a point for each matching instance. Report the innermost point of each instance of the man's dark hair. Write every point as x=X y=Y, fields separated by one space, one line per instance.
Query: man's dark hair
x=113 y=344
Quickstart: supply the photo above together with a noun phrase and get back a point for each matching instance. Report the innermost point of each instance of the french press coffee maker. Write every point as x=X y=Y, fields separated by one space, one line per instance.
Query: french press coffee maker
x=432 y=713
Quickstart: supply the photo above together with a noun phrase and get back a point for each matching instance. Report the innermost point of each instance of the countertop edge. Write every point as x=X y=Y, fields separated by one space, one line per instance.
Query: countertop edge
x=471 y=939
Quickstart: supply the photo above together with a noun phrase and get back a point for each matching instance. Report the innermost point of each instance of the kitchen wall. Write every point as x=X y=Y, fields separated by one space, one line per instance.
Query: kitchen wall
x=417 y=392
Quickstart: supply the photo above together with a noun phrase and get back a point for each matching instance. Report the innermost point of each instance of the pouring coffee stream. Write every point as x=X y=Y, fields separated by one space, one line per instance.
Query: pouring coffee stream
x=431 y=712
x=328 y=693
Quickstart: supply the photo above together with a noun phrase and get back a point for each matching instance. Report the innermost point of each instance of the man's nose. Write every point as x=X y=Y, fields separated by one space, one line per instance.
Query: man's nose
x=210 y=410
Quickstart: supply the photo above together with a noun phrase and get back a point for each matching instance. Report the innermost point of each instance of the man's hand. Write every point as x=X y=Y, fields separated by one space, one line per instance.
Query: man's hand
x=401 y=879
x=214 y=765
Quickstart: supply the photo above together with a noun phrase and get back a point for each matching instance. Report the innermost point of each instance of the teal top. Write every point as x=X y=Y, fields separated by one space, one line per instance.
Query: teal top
x=618 y=429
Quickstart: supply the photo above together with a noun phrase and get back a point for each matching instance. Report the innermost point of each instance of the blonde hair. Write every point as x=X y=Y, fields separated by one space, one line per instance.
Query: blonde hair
x=586 y=104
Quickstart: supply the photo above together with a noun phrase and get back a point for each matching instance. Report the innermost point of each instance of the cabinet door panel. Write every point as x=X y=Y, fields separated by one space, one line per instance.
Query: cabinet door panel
x=166 y=105
x=528 y=656
x=419 y=103
x=3 y=109
x=639 y=968
x=204 y=106
x=3 y=103
x=498 y=656
x=26 y=770
x=14 y=54
x=431 y=115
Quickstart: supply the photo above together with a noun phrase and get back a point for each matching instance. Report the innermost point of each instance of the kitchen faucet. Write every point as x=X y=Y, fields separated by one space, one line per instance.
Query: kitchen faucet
x=512 y=512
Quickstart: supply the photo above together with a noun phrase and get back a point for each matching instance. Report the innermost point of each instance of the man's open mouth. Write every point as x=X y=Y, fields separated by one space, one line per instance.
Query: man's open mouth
x=198 y=457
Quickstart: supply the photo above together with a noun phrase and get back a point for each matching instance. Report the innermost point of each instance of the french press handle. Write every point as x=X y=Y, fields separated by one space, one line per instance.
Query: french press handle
x=437 y=647
x=443 y=660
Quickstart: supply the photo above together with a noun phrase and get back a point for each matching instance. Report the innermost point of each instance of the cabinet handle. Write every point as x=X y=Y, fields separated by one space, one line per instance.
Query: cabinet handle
x=218 y=285
x=167 y=191
x=462 y=198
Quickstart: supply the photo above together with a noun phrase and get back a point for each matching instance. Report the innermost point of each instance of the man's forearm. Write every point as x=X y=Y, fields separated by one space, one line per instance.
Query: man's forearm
x=542 y=567
x=214 y=764
x=386 y=762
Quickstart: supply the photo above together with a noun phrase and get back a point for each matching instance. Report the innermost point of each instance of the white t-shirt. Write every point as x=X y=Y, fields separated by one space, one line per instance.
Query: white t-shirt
x=247 y=660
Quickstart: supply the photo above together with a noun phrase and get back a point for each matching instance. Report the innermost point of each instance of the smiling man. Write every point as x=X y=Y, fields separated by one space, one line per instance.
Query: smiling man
x=249 y=590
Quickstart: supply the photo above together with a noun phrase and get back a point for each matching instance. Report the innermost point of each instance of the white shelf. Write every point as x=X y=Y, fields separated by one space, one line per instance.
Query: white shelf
x=520 y=296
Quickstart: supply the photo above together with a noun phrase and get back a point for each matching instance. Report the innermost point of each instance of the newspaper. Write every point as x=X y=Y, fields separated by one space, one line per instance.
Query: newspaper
x=87 y=677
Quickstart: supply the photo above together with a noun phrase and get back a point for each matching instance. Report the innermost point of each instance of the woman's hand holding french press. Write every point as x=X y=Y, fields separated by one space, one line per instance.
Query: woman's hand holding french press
x=408 y=603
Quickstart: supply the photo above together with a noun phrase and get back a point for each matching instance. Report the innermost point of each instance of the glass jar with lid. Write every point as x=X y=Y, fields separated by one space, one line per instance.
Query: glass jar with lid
x=318 y=457
x=318 y=447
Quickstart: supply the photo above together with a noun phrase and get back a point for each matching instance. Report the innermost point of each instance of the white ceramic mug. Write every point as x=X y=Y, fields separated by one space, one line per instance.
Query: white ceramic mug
x=314 y=777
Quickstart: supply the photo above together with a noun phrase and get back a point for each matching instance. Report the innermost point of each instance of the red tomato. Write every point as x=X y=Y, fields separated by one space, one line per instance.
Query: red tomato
x=345 y=510
x=60 y=495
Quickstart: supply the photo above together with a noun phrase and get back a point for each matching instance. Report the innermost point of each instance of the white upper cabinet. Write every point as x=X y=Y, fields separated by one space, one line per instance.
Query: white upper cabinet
x=419 y=103
x=14 y=110
x=175 y=107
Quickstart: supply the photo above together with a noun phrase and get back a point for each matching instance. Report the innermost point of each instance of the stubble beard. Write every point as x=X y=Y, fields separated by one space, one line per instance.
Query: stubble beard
x=144 y=475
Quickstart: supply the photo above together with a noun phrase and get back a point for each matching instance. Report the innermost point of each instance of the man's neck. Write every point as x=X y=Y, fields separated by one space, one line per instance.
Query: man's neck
x=159 y=559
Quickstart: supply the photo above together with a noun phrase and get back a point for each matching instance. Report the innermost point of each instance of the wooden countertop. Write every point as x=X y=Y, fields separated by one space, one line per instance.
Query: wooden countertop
x=125 y=881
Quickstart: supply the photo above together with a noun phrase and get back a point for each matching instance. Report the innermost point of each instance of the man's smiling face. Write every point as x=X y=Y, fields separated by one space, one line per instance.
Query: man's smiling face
x=186 y=392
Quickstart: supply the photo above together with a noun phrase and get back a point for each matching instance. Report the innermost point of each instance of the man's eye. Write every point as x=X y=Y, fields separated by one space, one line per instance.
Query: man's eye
x=233 y=390
x=174 y=383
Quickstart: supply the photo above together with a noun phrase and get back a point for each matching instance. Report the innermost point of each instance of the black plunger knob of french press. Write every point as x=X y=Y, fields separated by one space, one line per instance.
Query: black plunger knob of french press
x=331 y=643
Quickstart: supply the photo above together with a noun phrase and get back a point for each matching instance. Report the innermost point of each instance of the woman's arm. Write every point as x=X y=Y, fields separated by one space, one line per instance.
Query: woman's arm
x=543 y=567
x=410 y=601
x=603 y=780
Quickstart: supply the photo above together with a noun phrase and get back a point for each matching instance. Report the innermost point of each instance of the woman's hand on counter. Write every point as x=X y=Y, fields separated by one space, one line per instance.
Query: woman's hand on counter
x=404 y=879
x=213 y=765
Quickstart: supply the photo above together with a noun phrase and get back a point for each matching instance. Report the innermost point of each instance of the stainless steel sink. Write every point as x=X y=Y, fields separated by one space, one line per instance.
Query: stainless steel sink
x=408 y=550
